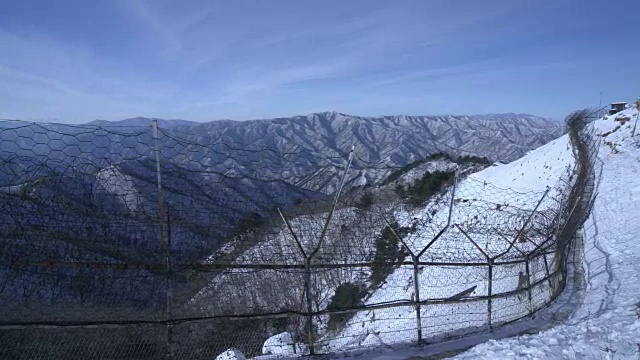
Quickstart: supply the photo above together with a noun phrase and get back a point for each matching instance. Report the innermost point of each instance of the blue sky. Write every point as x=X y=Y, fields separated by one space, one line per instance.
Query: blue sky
x=78 y=60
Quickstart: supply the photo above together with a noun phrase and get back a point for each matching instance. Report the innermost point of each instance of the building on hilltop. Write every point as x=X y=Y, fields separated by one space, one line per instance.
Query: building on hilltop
x=616 y=107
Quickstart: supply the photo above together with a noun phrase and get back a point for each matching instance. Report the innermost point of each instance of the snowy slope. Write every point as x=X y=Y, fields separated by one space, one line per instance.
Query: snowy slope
x=511 y=188
x=540 y=168
x=277 y=246
x=606 y=325
x=499 y=196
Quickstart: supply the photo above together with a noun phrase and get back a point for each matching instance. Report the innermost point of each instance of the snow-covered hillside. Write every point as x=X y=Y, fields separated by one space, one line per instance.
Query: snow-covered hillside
x=490 y=206
x=350 y=239
x=495 y=196
x=607 y=324
x=309 y=150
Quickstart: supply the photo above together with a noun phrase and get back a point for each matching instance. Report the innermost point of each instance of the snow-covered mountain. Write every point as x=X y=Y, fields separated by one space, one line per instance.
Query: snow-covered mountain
x=310 y=151
x=499 y=196
x=306 y=151
x=97 y=182
x=128 y=191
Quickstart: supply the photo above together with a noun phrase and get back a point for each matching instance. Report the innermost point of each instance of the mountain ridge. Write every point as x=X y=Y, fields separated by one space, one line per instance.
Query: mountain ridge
x=308 y=151
x=143 y=120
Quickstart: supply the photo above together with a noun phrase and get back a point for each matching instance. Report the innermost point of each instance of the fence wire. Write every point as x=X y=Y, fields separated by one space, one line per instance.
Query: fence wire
x=146 y=243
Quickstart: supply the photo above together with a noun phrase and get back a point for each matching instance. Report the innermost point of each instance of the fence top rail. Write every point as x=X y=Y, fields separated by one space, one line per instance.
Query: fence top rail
x=223 y=266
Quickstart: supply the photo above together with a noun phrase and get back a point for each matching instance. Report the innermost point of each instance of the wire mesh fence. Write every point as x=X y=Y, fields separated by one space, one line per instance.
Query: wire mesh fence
x=144 y=243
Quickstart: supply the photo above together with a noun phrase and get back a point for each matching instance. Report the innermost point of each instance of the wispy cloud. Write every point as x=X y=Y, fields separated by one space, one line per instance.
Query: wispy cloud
x=66 y=81
x=230 y=64
x=10 y=74
x=233 y=59
x=169 y=28
x=270 y=60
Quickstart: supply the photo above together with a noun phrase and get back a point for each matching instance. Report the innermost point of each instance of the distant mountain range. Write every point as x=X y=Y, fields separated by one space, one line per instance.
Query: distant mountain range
x=88 y=192
x=262 y=163
x=309 y=151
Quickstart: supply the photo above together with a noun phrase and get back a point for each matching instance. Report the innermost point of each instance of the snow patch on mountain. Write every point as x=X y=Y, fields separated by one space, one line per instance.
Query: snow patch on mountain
x=122 y=186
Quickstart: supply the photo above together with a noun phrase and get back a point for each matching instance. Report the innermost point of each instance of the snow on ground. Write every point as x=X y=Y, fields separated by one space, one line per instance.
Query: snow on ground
x=484 y=198
x=538 y=169
x=607 y=324
x=231 y=354
x=431 y=166
x=282 y=344
x=278 y=246
x=498 y=197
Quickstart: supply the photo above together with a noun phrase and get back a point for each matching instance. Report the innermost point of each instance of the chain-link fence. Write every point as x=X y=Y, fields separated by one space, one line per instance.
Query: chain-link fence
x=146 y=243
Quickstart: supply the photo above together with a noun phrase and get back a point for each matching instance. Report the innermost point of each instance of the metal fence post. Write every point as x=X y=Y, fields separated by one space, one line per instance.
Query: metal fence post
x=416 y=282
x=546 y=267
x=528 y=283
x=169 y=288
x=307 y=286
x=416 y=288
x=633 y=132
x=325 y=228
x=490 y=294
x=317 y=249
x=490 y=262
x=154 y=128
x=168 y=330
